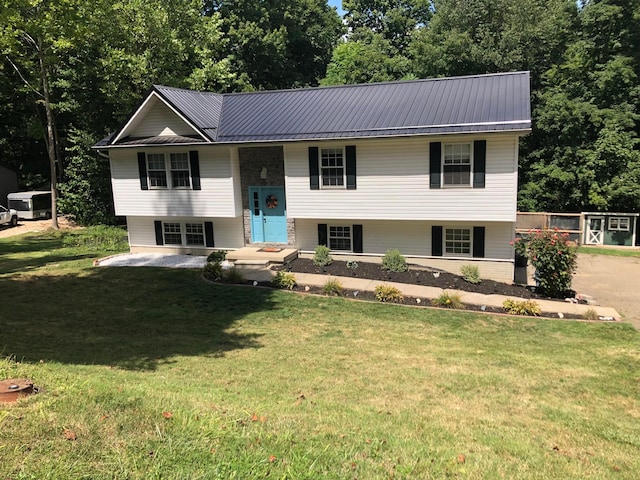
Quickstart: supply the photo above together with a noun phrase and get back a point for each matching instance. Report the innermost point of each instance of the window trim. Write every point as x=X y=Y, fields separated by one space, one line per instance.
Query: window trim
x=168 y=171
x=329 y=237
x=445 y=253
x=183 y=234
x=188 y=170
x=619 y=227
x=442 y=165
x=343 y=167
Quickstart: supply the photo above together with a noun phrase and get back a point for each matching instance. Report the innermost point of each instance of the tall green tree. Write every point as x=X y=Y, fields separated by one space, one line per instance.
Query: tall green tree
x=35 y=37
x=394 y=20
x=278 y=43
x=584 y=152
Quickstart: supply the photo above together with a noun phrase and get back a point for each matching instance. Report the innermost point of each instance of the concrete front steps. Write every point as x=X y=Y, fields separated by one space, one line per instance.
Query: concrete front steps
x=261 y=255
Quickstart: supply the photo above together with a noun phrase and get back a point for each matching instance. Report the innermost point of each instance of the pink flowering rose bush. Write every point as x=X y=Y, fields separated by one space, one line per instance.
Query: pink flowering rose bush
x=553 y=256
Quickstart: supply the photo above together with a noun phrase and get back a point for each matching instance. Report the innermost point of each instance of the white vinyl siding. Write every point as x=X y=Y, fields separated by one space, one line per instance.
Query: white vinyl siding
x=217 y=198
x=411 y=238
x=157 y=119
x=393 y=183
x=227 y=232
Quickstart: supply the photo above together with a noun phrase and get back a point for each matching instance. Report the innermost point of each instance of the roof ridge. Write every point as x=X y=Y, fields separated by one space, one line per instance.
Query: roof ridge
x=351 y=85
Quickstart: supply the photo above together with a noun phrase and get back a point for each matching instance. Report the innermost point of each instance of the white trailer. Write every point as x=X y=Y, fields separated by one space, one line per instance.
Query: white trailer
x=31 y=205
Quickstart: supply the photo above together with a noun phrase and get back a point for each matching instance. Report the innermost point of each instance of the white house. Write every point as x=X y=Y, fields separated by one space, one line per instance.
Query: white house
x=428 y=167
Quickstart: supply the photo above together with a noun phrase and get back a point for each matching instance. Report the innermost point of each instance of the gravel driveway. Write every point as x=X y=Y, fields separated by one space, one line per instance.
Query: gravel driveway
x=612 y=281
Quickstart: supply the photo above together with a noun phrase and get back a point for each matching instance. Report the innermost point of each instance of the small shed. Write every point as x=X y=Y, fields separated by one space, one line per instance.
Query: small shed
x=8 y=184
x=616 y=229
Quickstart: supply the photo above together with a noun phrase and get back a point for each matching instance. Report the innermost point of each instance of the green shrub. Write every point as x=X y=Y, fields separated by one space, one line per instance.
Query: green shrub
x=213 y=271
x=332 y=287
x=284 y=280
x=521 y=307
x=98 y=238
x=448 y=300
x=352 y=265
x=233 y=275
x=322 y=256
x=394 y=261
x=217 y=256
x=471 y=274
x=553 y=256
x=387 y=293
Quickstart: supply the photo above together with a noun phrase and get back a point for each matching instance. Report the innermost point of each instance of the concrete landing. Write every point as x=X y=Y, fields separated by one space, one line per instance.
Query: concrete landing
x=256 y=254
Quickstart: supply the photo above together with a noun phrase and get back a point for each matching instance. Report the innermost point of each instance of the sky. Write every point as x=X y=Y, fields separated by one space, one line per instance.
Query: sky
x=338 y=4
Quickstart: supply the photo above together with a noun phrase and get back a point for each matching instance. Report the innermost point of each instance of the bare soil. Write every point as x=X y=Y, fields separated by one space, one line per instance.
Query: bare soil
x=25 y=226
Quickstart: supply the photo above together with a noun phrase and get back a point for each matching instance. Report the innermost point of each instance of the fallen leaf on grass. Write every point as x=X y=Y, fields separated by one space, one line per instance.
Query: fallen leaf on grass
x=256 y=418
x=461 y=458
x=70 y=434
x=167 y=414
x=272 y=458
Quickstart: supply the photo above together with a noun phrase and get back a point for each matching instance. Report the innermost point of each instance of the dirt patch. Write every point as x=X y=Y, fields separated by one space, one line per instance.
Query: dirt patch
x=416 y=275
x=25 y=226
x=612 y=281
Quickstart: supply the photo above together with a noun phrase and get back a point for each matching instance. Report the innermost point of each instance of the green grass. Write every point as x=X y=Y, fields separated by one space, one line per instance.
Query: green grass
x=264 y=383
x=616 y=252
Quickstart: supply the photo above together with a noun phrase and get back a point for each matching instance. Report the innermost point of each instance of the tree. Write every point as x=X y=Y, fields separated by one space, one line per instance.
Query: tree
x=278 y=43
x=584 y=150
x=371 y=58
x=34 y=37
x=394 y=20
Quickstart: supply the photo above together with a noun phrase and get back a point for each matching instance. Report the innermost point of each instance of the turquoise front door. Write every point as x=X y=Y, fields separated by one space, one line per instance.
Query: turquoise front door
x=268 y=215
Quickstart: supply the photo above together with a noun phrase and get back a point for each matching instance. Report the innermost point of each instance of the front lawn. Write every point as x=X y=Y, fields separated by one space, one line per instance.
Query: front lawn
x=153 y=373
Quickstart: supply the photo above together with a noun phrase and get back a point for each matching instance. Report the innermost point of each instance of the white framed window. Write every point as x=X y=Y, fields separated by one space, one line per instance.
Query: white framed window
x=172 y=233
x=186 y=234
x=340 y=238
x=457 y=242
x=180 y=173
x=332 y=169
x=156 y=170
x=194 y=234
x=456 y=164
x=619 y=224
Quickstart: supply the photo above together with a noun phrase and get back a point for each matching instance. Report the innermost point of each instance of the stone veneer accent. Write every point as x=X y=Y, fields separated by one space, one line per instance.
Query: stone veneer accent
x=252 y=159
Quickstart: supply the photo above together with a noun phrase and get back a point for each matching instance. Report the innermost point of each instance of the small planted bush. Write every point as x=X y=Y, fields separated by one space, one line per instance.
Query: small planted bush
x=448 y=300
x=590 y=314
x=217 y=256
x=233 y=275
x=332 y=287
x=352 y=265
x=387 y=293
x=98 y=238
x=213 y=271
x=394 y=261
x=284 y=280
x=322 y=256
x=521 y=307
x=471 y=274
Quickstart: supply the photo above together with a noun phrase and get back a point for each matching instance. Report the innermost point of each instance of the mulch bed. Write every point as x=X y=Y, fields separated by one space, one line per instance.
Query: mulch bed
x=416 y=275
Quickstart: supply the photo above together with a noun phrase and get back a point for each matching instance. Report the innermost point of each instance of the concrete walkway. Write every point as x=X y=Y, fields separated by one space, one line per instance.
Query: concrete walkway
x=421 y=291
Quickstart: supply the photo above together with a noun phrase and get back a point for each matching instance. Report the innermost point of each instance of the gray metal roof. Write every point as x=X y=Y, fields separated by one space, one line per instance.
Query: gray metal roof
x=478 y=103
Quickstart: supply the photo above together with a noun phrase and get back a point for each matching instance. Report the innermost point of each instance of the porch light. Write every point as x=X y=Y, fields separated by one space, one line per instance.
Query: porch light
x=263 y=173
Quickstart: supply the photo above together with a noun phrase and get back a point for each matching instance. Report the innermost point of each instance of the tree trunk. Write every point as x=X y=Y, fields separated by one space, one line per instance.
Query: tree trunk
x=51 y=147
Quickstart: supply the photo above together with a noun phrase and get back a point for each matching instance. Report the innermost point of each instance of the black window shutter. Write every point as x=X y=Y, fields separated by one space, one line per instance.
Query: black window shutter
x=208 y=234
x=159 y=236
x=195 y=169
x=357 y=238
x=479 y=163
x=436 y=241
x=435 y=161
x=142 y=169
x=314 y=169
x=351 y=167
x=478 y=242
x=322 y=234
